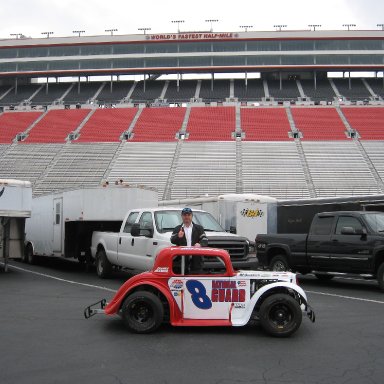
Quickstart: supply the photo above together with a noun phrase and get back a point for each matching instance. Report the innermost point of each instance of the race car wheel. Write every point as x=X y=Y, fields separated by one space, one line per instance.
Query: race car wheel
x=142 y=312
x=380 y=276
x=103 y=266
x=280 y=315
x=279 y=263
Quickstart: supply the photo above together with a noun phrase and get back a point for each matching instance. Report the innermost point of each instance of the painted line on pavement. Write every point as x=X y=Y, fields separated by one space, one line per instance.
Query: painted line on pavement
x=345 y=297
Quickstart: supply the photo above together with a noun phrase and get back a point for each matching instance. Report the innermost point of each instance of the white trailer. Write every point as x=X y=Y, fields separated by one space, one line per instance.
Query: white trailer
x=245 y=214
x=62 y=224
x=15 y=207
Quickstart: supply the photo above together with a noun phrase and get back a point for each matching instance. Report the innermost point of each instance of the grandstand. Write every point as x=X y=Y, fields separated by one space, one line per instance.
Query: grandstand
x=294 y=132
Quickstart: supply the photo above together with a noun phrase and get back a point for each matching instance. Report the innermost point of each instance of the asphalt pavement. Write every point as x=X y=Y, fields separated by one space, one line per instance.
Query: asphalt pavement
x=44 y=337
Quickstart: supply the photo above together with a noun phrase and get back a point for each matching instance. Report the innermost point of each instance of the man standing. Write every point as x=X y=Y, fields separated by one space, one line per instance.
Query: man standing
x=189 y=234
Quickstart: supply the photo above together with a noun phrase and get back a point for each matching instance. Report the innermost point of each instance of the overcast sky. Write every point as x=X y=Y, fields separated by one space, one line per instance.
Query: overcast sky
x=31 y=17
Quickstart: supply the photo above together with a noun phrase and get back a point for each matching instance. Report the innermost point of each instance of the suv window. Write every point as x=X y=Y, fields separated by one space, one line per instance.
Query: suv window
x=322 y=225
x=130 y=220
x=348 y=221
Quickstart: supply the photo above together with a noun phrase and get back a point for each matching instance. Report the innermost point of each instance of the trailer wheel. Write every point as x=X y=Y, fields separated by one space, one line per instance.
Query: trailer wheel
x=103 y=266
x=142 y=312
x=279 y=263
x=280 y=315
x=380 y=276
x=29 y=257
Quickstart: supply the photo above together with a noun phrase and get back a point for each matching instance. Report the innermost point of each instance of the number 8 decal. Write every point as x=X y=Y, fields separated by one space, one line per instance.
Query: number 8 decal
x=198 y=294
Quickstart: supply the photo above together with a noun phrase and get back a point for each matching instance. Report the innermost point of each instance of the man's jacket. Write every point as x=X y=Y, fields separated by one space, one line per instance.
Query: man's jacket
x=197 y=234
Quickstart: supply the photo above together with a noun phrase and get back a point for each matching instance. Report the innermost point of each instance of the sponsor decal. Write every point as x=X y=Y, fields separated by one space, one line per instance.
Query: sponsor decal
x=241 y=283
x=162 y=269
x=177 y=285
x=253 y=213
x=192 y=36
x=227 y=291
x=239 y=305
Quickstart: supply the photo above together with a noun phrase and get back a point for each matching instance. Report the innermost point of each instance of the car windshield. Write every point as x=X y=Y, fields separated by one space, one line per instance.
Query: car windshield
x=375 y=221
x=167 y=220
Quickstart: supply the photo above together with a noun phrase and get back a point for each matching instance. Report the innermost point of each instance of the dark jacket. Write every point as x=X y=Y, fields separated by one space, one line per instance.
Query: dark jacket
x=197 y=234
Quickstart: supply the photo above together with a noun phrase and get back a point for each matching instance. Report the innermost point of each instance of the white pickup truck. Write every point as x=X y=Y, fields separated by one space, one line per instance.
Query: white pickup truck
x=144 y=232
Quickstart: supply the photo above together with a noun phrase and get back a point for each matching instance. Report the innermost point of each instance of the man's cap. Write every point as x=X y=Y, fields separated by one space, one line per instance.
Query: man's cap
x=186 y=211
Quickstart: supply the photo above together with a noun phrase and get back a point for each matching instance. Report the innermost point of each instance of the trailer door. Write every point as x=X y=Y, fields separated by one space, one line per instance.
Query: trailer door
x=57 y=224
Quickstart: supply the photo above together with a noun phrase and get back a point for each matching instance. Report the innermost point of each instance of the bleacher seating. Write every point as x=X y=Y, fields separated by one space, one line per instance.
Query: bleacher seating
x=19 y=94
x=144 y=163
x=287 y=92
x=273 y=169
x=254 y=91
x=56 y=125
x=205 y=167
x=216 y=91
x=374 y=150
x=265 y=124
x=82 y=92
x=12 y=123
x=158 y=124
x=322 y=92
x=48 y=95
x=186 y=90
x=107 y=125
x=338 y=168
x=211 y=123
x=149 y=93
x=357 y=91
x=377 y=86
x=114 y=95
x=368 y=121
x=319 y=123
x=77 y=166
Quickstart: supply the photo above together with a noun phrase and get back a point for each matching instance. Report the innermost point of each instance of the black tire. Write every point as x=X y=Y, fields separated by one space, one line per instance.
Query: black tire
x=279 y=263
x=103 y=266
x=380 y=276
x=142 y=312
x=280 y=315
x=324 y=277
x=29 y=257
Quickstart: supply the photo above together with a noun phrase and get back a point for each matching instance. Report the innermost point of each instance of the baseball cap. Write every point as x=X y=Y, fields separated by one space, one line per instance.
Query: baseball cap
x=186 y=211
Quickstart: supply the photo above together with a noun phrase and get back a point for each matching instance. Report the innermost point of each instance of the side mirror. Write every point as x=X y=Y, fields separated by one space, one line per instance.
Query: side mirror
x=135 y=230
x=232 y=229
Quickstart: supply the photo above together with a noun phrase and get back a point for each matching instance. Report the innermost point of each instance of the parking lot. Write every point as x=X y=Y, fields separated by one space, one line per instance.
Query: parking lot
x=44 y=337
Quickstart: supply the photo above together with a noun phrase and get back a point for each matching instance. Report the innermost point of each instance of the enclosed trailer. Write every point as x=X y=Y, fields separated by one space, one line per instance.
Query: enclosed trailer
x=62 y=224
x=15 y=207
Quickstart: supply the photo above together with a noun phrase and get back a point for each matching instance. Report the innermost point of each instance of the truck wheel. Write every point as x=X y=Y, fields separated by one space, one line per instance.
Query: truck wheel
x=280 y=315
x=279 y=263
x=380 y=276
x=142 y=312
x=29 y=258
x=103 y=266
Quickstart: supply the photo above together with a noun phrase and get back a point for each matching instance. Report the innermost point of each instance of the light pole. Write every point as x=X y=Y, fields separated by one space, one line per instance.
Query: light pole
x=78 y=32
x=211 y=21
x=47 y=33
x=111 y=30
x=145 y=29
x=246 y=27
x=349 y=25
x=178 y=22
x=381 y=25
x=314 y=26
x=280 y=26
x=17 y=35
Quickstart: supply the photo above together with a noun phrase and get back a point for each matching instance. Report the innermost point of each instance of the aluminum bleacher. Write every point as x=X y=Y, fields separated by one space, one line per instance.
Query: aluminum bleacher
x=12 y=123
x=158 y=124
x=107 y=125
x=205 y=167
x=77 y=166
x=368 y=121
x=374 y=150
x=265 y=124
x=338 y=169
x=144 y=163
x=319 y=123
x=273 y=169
x=56 y=125
x=211 y=123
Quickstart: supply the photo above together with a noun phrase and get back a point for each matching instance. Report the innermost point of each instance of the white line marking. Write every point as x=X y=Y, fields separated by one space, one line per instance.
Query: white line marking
x=62 y=280
x=345 y=297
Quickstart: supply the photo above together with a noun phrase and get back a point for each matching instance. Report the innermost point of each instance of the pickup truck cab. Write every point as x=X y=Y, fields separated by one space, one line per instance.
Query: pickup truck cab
x=342 y=242
x=144 y=232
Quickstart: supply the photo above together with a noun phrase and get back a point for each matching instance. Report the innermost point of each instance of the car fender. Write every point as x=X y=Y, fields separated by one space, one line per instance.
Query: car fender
x=115 y=304
x=247 y=313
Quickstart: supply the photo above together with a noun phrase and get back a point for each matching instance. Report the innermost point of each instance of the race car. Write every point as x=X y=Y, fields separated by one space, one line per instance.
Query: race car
x=197 y=286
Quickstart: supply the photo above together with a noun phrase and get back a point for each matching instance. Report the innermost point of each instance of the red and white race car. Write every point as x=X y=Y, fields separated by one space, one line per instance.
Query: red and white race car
x=191 y=286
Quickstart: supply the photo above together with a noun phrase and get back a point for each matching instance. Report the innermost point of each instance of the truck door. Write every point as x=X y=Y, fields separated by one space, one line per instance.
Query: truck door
x=124 y=244
x=319 y=241
x=350 y=248
x=57 y=224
